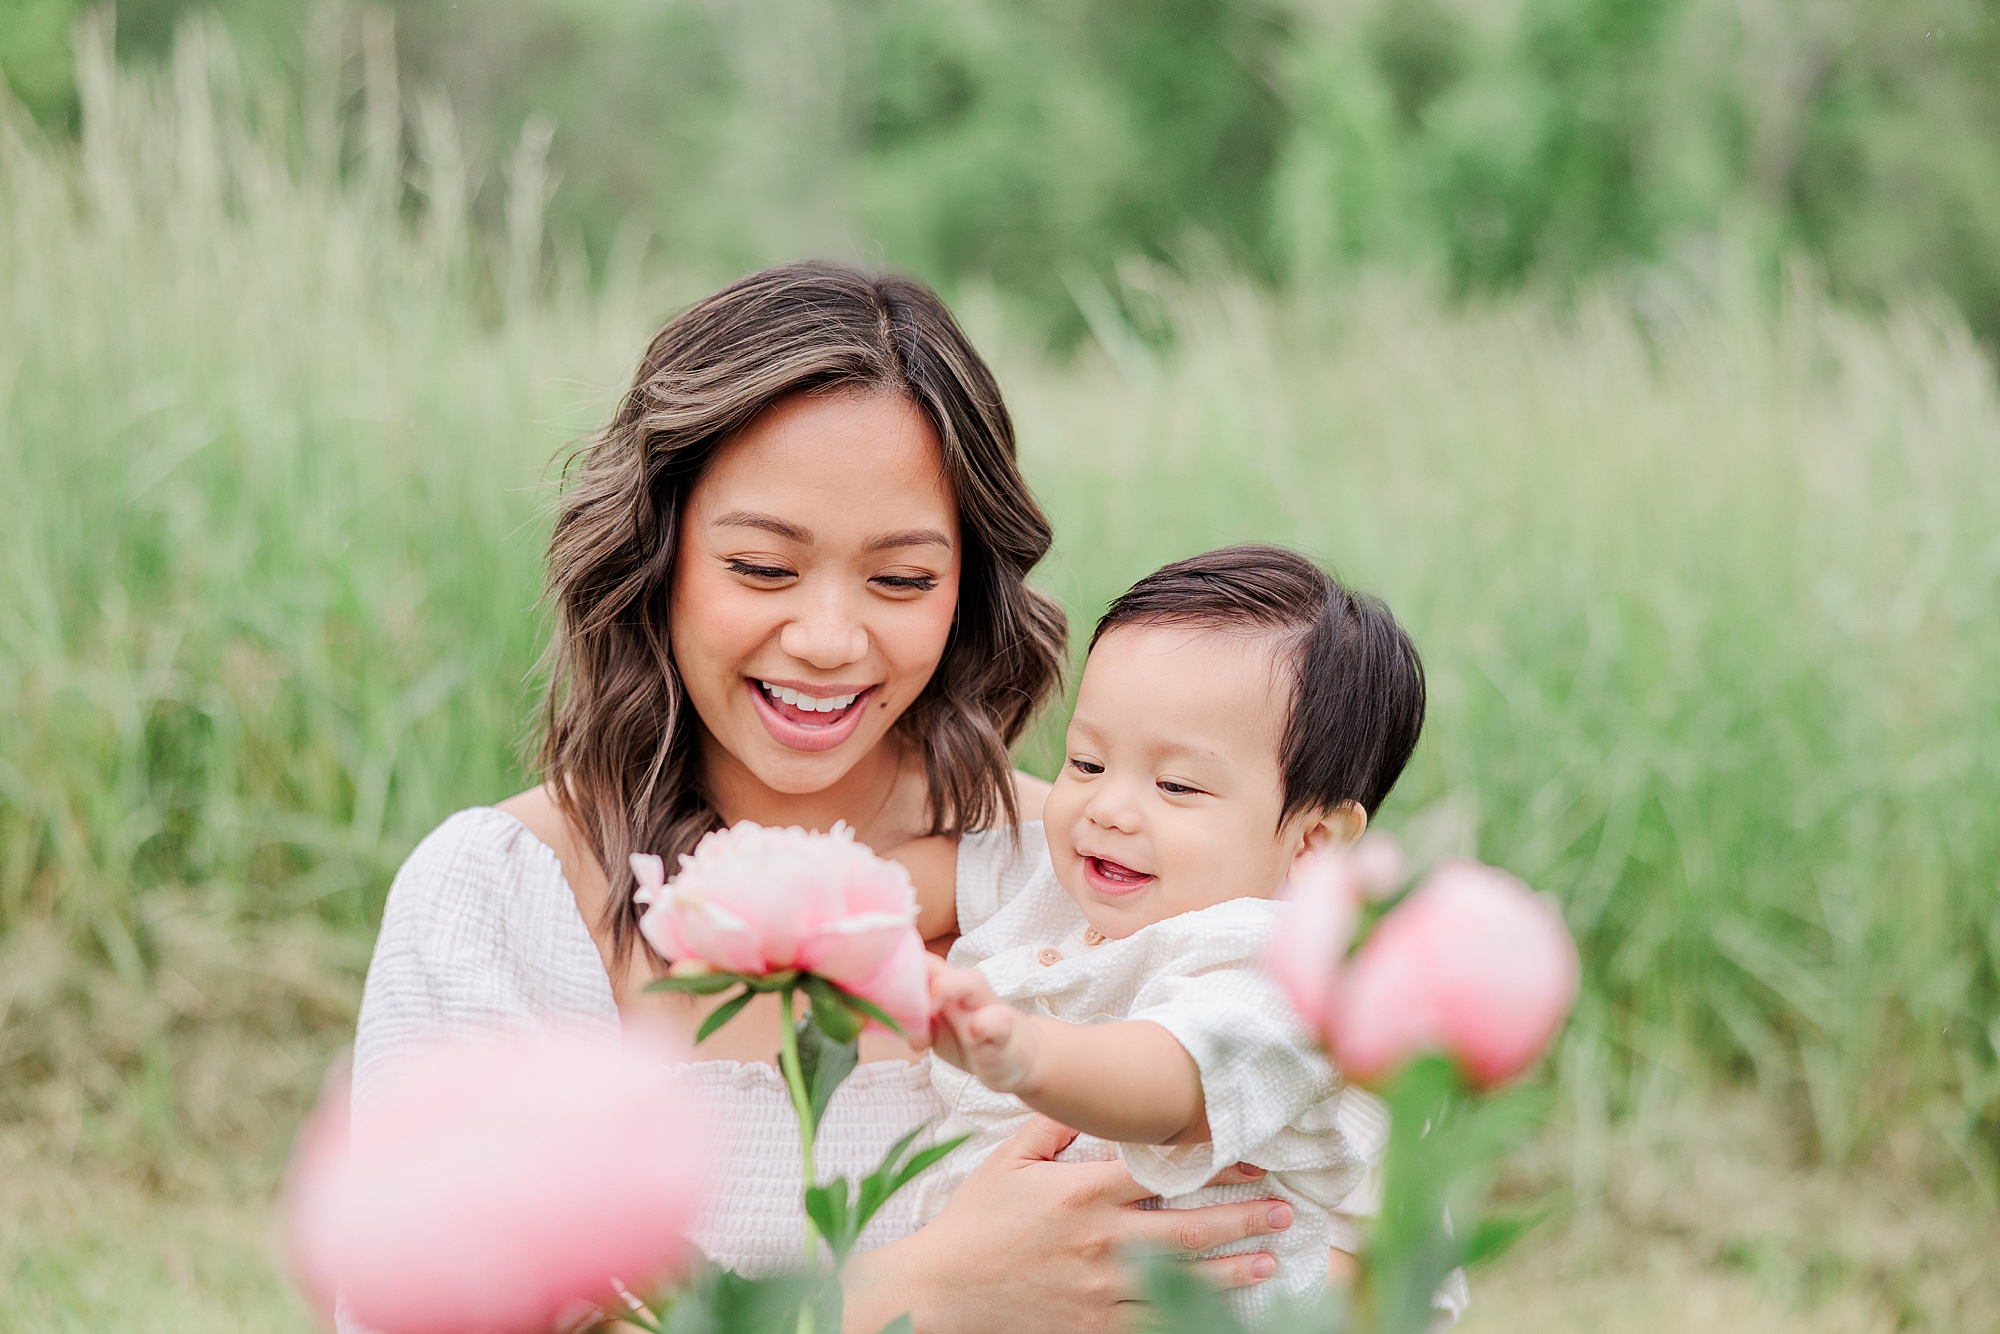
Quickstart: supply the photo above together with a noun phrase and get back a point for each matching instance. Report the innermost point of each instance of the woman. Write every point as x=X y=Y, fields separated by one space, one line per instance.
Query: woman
x=790 y=578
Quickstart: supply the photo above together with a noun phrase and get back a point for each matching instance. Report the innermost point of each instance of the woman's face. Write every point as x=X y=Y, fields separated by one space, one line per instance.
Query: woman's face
x=814 y=584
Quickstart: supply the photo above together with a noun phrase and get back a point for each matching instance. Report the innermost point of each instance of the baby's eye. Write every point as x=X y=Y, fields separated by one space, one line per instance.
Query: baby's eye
x=1173 y=789
x=1086 y=766
x=768 y=573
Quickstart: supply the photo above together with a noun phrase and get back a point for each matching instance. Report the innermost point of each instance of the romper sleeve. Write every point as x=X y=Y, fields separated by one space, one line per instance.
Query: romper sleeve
x=993 y=866
x=1265 y=1082
x=480 y=935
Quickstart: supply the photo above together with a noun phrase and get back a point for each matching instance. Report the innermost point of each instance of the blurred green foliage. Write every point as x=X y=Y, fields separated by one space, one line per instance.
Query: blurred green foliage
x=1031 y=142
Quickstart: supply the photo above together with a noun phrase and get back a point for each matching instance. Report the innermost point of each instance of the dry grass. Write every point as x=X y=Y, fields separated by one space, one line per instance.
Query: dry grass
x=1710 y=1219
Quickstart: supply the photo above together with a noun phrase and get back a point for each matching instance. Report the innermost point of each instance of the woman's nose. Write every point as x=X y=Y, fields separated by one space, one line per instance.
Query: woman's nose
x=826 y=634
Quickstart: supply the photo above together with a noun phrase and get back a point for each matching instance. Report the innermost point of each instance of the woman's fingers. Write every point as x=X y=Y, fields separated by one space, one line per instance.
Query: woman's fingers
x=1238 y=1271
x=1040 y=1141
x=1214 y=1225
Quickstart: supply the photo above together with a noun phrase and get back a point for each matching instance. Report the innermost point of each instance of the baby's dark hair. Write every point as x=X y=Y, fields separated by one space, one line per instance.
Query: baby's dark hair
x=1357 y=682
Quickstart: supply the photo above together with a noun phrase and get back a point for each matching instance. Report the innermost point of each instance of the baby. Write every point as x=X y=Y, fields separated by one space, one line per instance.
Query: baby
x=1238 y=710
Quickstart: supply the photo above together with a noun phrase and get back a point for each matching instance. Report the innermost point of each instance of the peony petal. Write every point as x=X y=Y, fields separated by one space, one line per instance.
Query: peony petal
x=852 y=949
x=1306 y=956
x=1473 y=963
x=900 y=988
x=427 y=1237
x=716 y=935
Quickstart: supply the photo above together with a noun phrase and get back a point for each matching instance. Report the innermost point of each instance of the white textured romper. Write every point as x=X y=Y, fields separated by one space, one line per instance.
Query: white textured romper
x=1272 y=1097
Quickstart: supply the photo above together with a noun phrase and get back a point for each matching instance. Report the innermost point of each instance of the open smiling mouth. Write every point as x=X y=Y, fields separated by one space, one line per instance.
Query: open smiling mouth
x=805 y=721
x=1109 y=877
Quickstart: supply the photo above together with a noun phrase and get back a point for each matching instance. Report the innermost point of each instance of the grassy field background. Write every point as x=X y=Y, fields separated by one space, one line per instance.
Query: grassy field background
x=1705 y=569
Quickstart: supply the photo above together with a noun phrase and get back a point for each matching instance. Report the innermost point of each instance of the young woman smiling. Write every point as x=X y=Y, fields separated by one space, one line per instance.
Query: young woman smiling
x=790 y=583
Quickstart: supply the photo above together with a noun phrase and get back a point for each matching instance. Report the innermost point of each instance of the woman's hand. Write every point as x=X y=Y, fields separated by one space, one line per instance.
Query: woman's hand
x=1031 y=1243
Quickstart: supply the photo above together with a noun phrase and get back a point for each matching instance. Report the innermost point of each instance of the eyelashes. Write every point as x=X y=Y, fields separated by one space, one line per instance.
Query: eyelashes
x=899 y=583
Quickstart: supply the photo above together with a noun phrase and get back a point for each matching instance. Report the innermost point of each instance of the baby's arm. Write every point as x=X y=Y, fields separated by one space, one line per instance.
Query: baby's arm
x=1132 y=1082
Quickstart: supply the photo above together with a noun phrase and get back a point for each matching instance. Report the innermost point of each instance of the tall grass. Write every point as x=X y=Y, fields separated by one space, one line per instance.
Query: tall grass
x=1706 y=583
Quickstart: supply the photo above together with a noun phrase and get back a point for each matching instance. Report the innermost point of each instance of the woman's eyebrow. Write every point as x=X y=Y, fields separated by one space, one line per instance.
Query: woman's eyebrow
x=770 y=523
x=915 y=537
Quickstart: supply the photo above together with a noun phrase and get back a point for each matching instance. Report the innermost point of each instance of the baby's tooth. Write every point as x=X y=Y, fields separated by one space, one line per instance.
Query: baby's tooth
x=789 y=695
x=828 y=705
x=843 y=701
x=808 y=703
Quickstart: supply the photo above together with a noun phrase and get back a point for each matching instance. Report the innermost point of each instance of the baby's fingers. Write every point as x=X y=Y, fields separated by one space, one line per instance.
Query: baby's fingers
x=990 y=1025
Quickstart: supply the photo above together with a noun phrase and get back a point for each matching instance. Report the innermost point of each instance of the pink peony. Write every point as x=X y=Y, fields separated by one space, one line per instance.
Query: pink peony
x=1323 y=906
x=756 y=900
x=497 y=1185
x=1473 y=963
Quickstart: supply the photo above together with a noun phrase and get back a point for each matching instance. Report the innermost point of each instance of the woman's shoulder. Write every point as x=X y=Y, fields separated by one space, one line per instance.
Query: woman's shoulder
x=479 y=856
x=481 y=899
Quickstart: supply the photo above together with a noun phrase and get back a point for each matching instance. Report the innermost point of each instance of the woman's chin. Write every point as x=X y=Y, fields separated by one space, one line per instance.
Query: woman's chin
x=796 y=772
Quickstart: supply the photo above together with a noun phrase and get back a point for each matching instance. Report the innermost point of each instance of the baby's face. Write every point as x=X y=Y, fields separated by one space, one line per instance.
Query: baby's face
x=1169 y=794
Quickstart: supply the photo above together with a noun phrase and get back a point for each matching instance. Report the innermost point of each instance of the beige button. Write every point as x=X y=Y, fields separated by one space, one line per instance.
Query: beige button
x=1049 y=956
x=1092 y=936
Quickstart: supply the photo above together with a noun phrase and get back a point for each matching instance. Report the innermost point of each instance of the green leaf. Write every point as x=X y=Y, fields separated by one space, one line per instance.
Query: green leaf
x=900 y=1325
x=722 y=1014
x=1495 y=1236
x=874 y=1011
x=701 y=984
x=826 y=1205
x=1180 y=1301
x=913 y=1168
x=824 y=1063
x=718 y=1301
x=830 y=1010
x=784 y=981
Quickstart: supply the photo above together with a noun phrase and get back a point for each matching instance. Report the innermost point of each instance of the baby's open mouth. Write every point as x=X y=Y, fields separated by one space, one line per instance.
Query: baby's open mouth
x=1109 y=877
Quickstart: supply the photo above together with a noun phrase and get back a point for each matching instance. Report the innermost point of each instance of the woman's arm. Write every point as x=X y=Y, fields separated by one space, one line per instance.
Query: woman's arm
x=1028 y=1243
x=1132 y=1082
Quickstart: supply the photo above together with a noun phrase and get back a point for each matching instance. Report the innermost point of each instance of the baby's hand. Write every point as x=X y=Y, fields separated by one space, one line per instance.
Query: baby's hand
x=974 y=1030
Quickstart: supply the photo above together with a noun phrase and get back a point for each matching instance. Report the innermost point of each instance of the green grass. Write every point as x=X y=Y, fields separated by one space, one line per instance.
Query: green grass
x=1706 y=581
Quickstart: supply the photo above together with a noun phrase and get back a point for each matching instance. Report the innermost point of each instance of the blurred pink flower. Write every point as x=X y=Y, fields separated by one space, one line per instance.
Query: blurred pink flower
x=1378 y=864
x=1473 y=963
x=1308 y=955
x=758 y=900
x=497 y=1185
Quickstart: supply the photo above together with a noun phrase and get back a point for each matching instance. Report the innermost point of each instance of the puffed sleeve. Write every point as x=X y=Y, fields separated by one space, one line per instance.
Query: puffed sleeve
x=480 y=935
x=1268 y=1088
x=993 y=866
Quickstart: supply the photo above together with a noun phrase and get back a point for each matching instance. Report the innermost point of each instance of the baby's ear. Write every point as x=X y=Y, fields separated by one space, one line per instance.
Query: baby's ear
x=1341 y=827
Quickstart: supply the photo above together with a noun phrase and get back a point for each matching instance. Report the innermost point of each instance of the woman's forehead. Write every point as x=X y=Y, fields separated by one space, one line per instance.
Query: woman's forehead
x=849 y=468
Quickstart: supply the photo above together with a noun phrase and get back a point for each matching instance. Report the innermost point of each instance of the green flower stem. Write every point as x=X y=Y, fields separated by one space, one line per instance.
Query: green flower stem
x=788 y=1056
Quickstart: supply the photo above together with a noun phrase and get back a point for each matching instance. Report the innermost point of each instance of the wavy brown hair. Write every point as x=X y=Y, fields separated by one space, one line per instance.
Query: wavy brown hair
x=618 y=740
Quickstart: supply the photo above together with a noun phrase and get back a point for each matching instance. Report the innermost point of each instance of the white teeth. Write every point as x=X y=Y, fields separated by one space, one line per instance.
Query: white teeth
x=807 y=703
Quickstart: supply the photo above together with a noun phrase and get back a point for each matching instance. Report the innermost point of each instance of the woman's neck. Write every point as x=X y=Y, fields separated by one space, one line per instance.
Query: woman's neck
x=883 y=798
